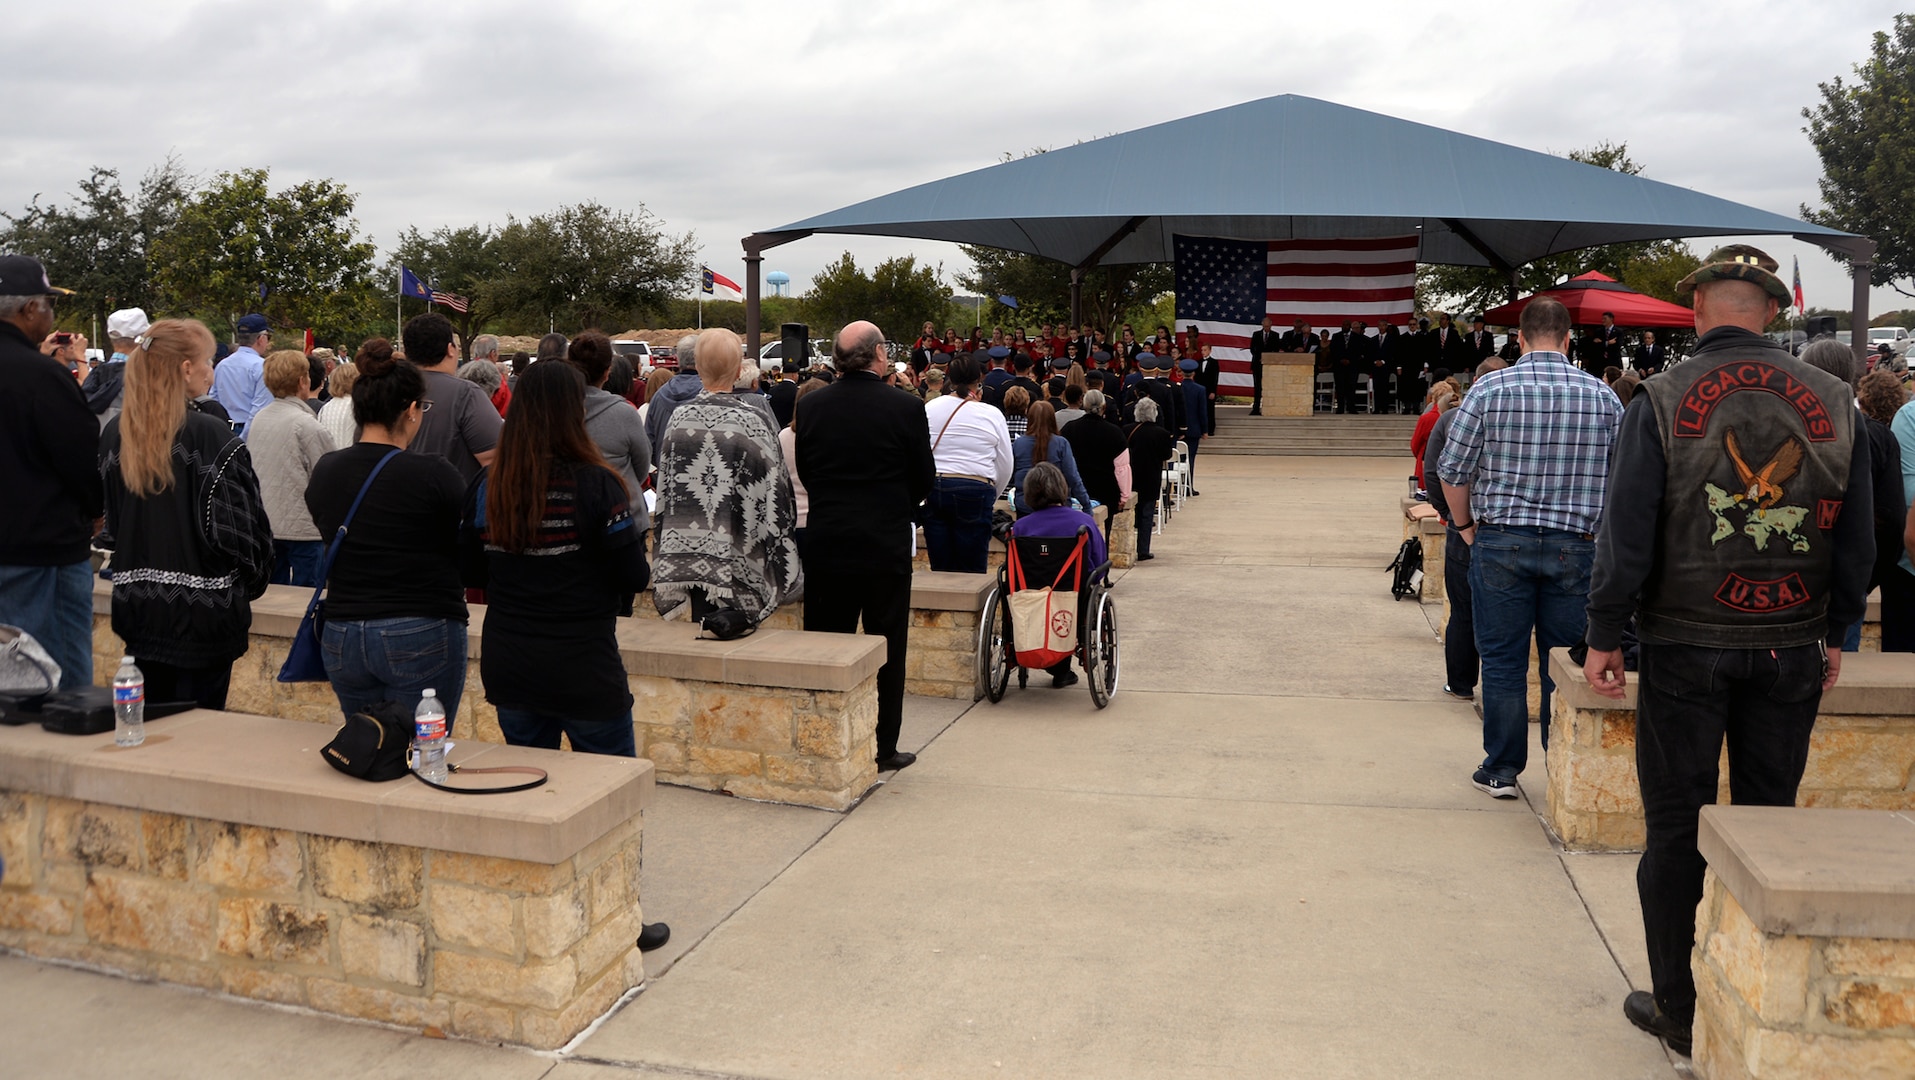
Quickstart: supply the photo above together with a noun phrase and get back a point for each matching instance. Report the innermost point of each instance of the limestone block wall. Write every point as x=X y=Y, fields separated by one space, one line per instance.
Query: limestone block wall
x=1289 y=387
x=772 y=743
x=480 y=947
x=1861 y=755
x=1123 y=539
x=1788 y=1007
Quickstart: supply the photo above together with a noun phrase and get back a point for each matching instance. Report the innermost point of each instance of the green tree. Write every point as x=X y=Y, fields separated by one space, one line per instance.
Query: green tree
x=1864 y=132
x=463 y=261
x=1642 y=266
x=898 y=295
x=590 y=266
x=1042 y=288
x=295 y=256
x=100 y=244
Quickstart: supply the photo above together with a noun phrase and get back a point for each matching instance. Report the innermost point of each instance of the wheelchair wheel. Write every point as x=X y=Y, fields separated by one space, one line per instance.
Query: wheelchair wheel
x=1100 y=648
x=994 y=645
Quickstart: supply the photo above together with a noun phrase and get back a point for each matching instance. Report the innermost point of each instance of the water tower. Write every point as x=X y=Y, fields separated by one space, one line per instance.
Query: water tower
x=779 y=282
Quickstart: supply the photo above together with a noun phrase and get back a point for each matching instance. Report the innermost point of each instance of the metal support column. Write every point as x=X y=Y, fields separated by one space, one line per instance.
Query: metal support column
x=1860 y=266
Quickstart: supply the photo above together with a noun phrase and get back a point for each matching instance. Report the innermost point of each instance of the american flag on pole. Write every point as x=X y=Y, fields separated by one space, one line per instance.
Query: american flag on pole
x=452 y=300
x=1227 y=287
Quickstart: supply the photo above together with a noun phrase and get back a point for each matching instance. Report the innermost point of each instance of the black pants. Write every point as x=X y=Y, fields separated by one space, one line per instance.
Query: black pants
x=1345 y=378
x=835 y=604
x=1460 y=660
x=1382 y=399
x=1256 y=390
x=1898 y=610
x=205 y=685
x=1146 y=519
x=1690 y=698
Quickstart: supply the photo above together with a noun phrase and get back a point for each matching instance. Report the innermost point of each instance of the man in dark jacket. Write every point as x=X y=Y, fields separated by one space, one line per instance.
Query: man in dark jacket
x=783 y=392
x=864 y=455
x=683 y=387
x=1196 y=415
x=1262 y=341
x=49 y=469
x=1739 y=533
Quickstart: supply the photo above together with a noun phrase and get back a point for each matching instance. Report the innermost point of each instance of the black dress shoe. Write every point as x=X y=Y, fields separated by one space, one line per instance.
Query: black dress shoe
x=1062 y=679
x=896 y=760
x=653 y=936
x=1641 y=1009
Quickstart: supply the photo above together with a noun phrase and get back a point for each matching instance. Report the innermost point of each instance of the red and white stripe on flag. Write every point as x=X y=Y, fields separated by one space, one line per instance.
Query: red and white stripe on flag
x=1322 y=282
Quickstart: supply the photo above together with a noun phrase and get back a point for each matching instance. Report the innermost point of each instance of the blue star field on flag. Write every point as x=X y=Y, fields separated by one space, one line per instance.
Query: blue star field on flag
x=1225 y=281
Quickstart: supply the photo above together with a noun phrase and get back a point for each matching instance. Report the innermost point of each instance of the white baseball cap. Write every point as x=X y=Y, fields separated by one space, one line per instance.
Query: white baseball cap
x=127 y=323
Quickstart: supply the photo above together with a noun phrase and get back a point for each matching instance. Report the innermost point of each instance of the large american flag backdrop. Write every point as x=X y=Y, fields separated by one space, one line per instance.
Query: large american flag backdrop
x=1226 y=287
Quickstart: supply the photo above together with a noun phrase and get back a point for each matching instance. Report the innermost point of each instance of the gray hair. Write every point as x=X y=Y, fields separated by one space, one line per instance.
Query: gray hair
x=1094 y=402
x=14 y=306
x=1146 y=411
x=1044 y=486
x=1833 y=357
x=688 y=352
x=748 y=376
x=241 y=340
x=485 y=373
x=485 y=347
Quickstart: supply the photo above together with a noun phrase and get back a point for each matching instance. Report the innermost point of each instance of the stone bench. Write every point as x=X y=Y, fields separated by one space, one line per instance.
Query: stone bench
x=225 y=854
x=945 y=611
x=1861 y=756
x=780 y=716
x=1805 y=944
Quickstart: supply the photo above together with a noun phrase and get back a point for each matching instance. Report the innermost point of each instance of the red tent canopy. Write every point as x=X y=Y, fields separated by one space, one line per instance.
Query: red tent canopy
x=1588 y=296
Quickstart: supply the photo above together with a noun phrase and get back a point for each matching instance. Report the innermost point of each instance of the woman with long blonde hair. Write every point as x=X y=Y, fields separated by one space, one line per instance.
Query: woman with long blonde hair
x=191 y=543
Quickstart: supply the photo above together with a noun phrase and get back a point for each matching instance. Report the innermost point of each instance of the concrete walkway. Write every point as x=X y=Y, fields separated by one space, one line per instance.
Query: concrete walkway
x=1264 y=859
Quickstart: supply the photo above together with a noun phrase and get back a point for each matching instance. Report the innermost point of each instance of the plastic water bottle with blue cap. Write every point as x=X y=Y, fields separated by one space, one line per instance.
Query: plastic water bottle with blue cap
x=429 y=737
x=129 y=704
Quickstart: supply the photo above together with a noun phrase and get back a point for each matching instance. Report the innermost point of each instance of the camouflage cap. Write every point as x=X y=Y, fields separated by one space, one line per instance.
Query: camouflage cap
x=1738 y=262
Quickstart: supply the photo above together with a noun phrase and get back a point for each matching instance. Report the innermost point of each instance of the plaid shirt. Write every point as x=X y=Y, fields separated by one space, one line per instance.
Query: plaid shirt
x=1533 y=442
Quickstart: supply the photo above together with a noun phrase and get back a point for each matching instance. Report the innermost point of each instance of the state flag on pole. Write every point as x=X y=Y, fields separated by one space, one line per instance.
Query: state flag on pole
x=410 y=285
x=720 y=287
x=1799 y=304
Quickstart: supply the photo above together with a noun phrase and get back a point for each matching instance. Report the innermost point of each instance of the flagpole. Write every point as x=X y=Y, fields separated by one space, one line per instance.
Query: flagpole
x=399 y=304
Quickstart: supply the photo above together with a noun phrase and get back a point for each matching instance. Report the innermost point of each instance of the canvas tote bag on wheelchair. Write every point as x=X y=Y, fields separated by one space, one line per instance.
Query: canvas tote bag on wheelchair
x=1044 y=620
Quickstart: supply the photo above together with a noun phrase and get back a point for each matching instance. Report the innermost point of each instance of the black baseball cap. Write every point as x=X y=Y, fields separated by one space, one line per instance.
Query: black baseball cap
x=22 y=275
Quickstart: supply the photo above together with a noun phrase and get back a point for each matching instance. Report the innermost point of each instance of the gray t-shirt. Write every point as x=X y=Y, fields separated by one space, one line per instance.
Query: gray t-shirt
x=460 y=425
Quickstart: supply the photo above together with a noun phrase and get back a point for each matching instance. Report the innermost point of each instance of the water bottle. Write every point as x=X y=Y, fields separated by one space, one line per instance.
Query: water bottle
x=129 y=704
x=429 y=738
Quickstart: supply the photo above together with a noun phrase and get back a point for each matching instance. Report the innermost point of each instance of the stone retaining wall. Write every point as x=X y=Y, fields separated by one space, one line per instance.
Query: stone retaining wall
x=1861 y=755
x=481 y=947
x=1789 y=1007
x=776 y=743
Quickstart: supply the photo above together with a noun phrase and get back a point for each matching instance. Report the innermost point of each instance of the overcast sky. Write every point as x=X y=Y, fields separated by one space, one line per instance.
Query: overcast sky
x=724 y=119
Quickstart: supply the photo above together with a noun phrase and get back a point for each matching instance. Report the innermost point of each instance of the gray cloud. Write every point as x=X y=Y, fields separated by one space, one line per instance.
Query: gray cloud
x=724 y=123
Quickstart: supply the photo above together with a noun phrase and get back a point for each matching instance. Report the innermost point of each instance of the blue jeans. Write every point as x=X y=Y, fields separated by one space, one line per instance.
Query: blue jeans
x=296 y=562
x=1524 y=581
x=395 y=660
x=55 y=605
x=957 y=525
x=606 y=735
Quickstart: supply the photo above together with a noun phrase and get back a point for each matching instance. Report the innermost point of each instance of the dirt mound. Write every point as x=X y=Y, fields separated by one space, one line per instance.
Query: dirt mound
x=657 y=339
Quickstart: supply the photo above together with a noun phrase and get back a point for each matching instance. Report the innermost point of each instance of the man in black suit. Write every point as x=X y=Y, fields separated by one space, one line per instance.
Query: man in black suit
x=864 y=454
x=1611 y=338
x=1344 y=369
x=1452 y=348
x=1210 y=377
x=1261 y=341
x=783 y=392
x=1649 y=355
x=1482 y=343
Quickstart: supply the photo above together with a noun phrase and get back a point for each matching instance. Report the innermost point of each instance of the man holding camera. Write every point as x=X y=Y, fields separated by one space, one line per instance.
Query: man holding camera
x=49 y=468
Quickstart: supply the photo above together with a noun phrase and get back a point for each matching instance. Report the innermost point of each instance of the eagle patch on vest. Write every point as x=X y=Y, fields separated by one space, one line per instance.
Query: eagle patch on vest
x=1757 y=503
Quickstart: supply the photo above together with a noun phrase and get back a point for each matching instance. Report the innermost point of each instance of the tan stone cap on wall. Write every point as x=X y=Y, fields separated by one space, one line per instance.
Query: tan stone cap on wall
x=1816 y=873
x=792 y=659
x=261 y=770
x=944 y=590
x=1872 y=684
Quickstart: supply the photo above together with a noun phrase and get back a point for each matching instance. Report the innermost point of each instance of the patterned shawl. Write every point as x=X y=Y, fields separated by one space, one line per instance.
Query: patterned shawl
x=725 y=510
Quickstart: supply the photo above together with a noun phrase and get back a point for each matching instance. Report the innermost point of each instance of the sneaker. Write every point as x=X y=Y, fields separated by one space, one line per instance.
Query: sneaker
x=1641 y=1009
x=1063 y=679
x=1460 y=695
x=1492 y=785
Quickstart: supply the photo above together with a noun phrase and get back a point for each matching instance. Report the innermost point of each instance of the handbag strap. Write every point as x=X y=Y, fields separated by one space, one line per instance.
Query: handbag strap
x=962 y=402
x=332 y=549
x=525 y=769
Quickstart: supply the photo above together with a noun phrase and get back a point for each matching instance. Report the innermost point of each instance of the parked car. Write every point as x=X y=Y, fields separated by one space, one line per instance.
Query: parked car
x=643 y=357
x=775 y=350
x=1895 y=337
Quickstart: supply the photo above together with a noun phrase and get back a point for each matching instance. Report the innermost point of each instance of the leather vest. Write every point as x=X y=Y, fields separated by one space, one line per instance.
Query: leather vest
x=1757 y=446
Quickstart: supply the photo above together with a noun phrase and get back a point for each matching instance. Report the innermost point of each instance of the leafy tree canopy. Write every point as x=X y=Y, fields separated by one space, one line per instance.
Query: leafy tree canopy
x=898 y=295
x=1864 y=132
x=100 y=244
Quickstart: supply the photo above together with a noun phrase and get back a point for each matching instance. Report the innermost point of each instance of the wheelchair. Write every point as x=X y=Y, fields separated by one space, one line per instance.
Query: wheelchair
x=1038 y=562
